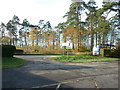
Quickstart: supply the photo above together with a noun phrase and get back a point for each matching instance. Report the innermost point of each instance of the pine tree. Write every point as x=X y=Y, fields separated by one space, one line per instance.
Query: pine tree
x=74 y=22
x=25 y=29
x=91 y=19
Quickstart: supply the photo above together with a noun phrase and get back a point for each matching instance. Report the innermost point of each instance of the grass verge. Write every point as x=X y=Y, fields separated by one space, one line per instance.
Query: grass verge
x=81 y=59
x=38 y=54
x=12 y=62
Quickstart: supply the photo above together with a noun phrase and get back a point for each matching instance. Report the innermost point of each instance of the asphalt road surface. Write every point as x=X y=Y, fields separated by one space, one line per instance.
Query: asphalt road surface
x=41 y=72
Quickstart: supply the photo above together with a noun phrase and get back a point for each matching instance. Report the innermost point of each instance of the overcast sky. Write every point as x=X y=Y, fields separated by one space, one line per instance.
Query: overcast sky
x=35 y=10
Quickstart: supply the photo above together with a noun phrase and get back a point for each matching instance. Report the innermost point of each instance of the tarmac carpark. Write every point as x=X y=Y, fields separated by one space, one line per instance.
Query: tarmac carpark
x=41 y=72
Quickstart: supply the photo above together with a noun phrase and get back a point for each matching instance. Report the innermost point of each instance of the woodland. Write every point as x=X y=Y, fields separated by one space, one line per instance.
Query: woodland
x=101 y=26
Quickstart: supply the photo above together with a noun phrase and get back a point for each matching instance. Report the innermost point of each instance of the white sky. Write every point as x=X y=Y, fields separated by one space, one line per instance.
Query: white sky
x=35 y=10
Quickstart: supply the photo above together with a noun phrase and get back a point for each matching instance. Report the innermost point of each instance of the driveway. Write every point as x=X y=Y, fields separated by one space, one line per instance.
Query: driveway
x=41 y=72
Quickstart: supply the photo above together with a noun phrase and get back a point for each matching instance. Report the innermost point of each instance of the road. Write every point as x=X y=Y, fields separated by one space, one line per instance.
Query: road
x=41 y=72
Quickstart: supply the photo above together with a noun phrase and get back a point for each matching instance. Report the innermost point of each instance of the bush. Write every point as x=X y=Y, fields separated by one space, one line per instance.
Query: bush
x=83 y=53
x=82 y=49
x=8 y=50
x=115 y=53
x=40 y=50
x=19 y=51
x=105 y=52
x=110 y=52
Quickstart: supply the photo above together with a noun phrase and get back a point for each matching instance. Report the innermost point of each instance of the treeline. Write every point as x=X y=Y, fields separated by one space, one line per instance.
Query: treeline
x=97 y=28
x=26 y=34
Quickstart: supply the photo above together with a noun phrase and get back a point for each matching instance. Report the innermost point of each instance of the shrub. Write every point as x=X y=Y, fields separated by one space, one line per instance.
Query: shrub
x=105 y=52
x=40 y=50
x=110 y=52
x=19 y=51
x=83 y=53
x=82 y=49
x=115 y=53
x=8 y=50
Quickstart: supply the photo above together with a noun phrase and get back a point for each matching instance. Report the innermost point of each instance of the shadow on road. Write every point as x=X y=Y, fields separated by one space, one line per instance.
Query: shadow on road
x=22 y=78
x=43 y=65
x=12 y=78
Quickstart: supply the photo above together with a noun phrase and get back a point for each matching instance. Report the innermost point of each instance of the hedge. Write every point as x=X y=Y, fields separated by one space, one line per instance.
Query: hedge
x=110 y=52
x=115 y=53
x=19 y=51
x=8 y=50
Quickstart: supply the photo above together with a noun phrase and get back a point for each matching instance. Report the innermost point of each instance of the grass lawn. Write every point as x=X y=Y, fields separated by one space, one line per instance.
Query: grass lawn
x=83 y=59
x=11 y=62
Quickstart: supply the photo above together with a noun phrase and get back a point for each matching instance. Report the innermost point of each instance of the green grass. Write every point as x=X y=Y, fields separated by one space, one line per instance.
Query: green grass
x=83 y=58
x=12 y=62
x=38 y=54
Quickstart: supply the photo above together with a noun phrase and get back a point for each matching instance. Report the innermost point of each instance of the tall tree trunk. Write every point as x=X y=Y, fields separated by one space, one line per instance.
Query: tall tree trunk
x=25 y=41
x=79 y=30
x=96 y=39
x=103 y=40
x=99 y=39
x=59 y=39
x=32 y=42
x=10 y=39
x=37 y=40
x=92 y=41
x=73 y=42
x=92 y=35
x=10 y=42
x=73 y=46
x=13 y=41
x=53 y=43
